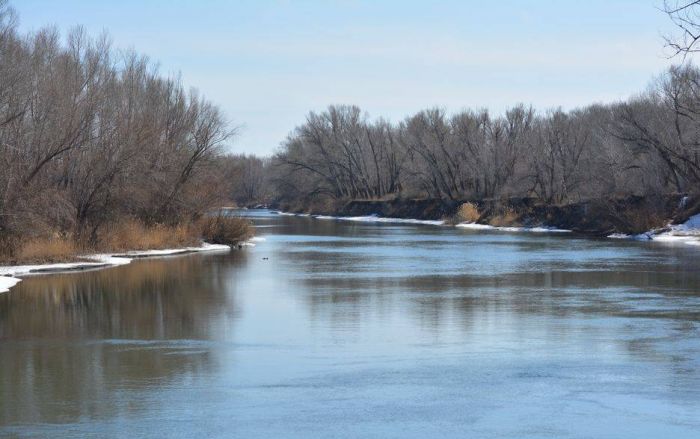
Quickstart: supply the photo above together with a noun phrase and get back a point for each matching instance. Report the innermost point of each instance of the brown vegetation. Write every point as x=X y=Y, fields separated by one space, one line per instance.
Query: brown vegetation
x=133 y=235
x=223 y=229
x=127 y=235
x=644 y=147
x=506 y=217
x=467 y=213
x=99 y=152
x=45 y=250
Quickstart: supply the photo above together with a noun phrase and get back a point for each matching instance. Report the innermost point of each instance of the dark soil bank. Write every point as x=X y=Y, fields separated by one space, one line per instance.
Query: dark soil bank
x=595 y=217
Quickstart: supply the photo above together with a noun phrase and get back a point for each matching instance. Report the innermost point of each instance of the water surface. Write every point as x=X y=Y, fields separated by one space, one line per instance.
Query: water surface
x=341 y=329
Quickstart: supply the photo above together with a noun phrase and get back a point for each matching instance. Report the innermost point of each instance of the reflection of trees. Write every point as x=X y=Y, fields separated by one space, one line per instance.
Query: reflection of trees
x=66 y=340
x=553 y=306
x=553 y=293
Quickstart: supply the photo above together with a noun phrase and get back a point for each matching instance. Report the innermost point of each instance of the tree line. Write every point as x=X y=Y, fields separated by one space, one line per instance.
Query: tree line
x=649 y=144
x=89 y=135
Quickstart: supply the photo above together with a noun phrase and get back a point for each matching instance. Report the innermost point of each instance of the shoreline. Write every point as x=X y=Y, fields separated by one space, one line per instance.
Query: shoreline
x=596 y=217
x=11 y=275
x=687 y=233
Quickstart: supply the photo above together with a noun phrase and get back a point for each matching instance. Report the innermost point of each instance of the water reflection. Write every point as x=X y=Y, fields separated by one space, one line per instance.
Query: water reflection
x=70 y=344
x=332 y=329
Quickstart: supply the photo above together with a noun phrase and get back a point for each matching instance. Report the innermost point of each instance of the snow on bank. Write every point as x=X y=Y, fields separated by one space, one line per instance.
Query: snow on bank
x=7 y=282
x=475 y=226
x=686 y=233
x=367 y=219
x=8 y=274
x=640 y=237
x=472 y=226
x=251 y=242
x=380 y=219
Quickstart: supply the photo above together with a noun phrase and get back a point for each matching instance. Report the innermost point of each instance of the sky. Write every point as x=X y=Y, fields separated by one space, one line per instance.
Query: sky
x=267 y=64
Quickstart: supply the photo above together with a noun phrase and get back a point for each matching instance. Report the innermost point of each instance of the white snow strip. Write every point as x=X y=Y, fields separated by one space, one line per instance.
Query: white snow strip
x=686 y=233
x=7 y=282
x=475 y=226
x=8 y=273
x=619 y=236
x=380 y=219
x=257 y=239
x=23 y=270
x=640 y=237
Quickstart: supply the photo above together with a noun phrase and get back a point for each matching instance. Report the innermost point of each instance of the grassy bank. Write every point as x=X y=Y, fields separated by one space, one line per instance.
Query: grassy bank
x=124 y=235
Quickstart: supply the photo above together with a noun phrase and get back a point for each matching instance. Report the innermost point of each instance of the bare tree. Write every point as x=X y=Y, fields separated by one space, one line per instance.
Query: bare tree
x=685 y=15
x=87 y=137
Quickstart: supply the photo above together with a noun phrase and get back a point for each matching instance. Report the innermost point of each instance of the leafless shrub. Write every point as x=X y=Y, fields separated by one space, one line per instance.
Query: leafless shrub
x=468 y=213
x=507 y=216
x=224 y=229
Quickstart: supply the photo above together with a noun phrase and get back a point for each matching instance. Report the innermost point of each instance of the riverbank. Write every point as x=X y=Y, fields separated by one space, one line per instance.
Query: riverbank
x=601 y=218
x=124 y=235
x=687 y=233
x=11 y=275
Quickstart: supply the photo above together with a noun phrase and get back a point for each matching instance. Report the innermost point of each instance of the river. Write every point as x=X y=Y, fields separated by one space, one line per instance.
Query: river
x=344 y=329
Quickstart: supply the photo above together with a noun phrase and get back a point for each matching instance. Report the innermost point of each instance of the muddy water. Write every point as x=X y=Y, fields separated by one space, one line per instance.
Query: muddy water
x=342 y=329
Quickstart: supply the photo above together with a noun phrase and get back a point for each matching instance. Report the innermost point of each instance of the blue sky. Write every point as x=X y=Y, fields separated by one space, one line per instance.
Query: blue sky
x=268 y=63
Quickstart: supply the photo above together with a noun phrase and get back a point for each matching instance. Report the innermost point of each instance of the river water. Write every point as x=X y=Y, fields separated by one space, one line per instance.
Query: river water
x=344 y=329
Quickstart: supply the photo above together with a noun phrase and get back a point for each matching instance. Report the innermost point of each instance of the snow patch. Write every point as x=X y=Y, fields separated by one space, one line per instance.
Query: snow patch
x=7 y=282
x=640 y=237
x=693 y=224
x=686 y=233
x=475 y=226
x=381 y=219
x=93 y=261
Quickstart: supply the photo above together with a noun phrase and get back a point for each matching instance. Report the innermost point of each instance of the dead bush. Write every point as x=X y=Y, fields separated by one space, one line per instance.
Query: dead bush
x=223 y=229
x=467 y=213
x=131 y=234
x=506 y=217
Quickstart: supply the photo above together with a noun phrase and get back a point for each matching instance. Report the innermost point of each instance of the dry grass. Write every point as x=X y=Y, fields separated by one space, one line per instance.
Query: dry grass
x=133 y=235
x=125 y=235
x=507 y=217
x=222 y=229
x=45 y=250
x=468 y=213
